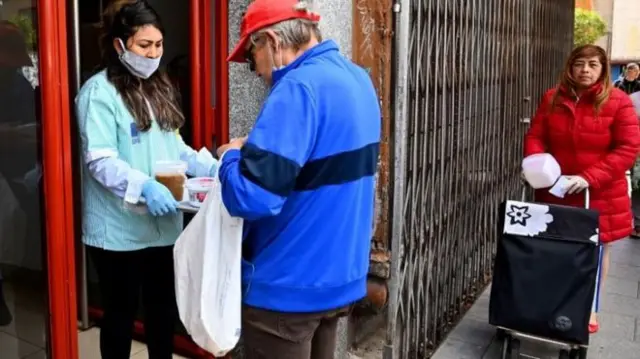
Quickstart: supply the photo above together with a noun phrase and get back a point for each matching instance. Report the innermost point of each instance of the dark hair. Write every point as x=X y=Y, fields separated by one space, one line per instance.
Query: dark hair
x=122 y=19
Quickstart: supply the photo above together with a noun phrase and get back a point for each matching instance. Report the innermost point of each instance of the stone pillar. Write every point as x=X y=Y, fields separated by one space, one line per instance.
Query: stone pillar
x=246 y=91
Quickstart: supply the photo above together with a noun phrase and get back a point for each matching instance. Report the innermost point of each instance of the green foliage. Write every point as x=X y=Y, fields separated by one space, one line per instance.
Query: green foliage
x=28 y=30
x=588 y=27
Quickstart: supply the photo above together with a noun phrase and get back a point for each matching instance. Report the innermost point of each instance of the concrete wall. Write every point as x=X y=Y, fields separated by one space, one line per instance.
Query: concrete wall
x=626 y=30
x=246 y=91
x=605 y=9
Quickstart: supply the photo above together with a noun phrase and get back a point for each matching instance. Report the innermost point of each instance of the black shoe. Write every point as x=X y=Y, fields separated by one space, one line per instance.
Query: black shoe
x=5 y=314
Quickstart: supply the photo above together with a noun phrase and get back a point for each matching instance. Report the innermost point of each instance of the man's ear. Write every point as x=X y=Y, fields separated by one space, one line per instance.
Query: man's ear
x=275 y=41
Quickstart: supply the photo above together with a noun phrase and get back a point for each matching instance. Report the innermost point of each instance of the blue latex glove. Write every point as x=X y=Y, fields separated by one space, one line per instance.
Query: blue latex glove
x=159 y=199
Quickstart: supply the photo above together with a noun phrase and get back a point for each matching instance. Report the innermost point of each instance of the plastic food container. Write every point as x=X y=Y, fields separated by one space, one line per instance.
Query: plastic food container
x=198 y=189
x=541 y=170
x=173 y=175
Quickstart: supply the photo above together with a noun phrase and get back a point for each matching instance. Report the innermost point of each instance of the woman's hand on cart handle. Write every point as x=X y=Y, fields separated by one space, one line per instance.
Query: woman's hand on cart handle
x=576 y=184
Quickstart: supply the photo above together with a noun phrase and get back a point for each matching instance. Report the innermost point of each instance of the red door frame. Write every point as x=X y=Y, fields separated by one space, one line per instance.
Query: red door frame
x=57 y=181
x=220 y=113
x=195 y=55
x=211 y=120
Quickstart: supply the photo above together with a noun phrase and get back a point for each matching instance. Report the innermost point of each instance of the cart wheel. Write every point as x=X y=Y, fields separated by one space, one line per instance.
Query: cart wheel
x=564 y=354
x=514 y=349
x=582 y=353
x=574 y=354
x=506 y=348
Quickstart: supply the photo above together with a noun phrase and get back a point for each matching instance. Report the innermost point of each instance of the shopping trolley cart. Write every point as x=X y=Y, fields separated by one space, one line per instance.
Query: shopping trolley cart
x=545 y=276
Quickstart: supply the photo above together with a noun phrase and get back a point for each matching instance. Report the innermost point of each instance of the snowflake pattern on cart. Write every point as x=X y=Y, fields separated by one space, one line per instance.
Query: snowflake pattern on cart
x=519 y=215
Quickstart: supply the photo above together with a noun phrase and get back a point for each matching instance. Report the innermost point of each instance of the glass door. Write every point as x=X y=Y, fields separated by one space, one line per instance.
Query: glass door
x=37 y=319
x=23 y=275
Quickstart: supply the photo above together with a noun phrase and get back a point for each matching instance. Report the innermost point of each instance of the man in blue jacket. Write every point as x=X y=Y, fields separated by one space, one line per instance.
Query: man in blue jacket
x=304 y=182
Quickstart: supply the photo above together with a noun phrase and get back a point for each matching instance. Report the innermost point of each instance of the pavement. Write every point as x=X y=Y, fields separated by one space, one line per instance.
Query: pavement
x=619 y=335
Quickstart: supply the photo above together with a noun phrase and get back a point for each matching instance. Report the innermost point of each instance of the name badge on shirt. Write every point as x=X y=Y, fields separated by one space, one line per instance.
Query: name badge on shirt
x=135 y=134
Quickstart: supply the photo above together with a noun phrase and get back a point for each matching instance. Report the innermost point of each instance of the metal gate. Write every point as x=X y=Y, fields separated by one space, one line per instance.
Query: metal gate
x=468 y=74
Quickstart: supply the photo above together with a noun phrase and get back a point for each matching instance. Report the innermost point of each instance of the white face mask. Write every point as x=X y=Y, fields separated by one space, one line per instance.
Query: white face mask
x=139 y=66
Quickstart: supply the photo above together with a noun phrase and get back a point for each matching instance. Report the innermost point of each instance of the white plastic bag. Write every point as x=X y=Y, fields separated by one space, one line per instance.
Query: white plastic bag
x=207 y=271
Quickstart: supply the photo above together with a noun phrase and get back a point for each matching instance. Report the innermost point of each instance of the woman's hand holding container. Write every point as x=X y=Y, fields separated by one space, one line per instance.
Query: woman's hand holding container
x=159 y=199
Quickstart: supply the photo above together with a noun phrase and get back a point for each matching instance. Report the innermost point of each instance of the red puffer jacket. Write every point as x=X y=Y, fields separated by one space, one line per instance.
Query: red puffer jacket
x=600 y=148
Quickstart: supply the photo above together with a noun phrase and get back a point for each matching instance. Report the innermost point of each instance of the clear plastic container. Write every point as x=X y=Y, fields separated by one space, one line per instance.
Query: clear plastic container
x=172 y=174
x=541 y=170
x=198 y=189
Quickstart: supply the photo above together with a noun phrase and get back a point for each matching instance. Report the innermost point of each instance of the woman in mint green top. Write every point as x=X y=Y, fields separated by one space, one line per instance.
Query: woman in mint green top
x=129 y=118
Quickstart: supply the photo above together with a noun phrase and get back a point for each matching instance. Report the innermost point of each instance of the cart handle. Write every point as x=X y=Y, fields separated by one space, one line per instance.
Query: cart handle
x=587 y=196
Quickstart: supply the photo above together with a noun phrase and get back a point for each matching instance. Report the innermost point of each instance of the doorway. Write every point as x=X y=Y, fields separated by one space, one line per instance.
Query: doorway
x=194 y=40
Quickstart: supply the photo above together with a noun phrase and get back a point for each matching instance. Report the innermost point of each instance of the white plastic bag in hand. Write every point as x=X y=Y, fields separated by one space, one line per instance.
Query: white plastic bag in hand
x=207 y=271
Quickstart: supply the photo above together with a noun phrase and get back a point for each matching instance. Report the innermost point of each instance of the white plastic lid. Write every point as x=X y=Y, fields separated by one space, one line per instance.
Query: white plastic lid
x=167 y=167
x=200 y=184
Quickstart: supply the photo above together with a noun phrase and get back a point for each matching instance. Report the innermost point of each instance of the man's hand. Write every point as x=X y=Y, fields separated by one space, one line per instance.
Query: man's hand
x=234 y=144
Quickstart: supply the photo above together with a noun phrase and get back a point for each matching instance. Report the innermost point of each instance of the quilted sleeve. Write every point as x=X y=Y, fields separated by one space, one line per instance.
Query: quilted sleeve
x=535 y=141
x=624 y=148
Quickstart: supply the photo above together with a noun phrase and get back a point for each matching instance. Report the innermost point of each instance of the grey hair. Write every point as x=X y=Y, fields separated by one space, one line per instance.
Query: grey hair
x=633 y=65
x=294 y=33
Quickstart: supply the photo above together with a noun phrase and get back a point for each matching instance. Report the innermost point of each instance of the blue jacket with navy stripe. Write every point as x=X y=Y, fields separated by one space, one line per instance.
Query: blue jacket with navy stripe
x=304 y=182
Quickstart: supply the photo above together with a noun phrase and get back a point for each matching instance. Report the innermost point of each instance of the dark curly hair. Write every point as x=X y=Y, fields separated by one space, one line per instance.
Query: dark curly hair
x=122 y=18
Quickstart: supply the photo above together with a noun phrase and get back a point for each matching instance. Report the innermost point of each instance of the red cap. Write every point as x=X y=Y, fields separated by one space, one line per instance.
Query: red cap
x=13 y=47
x=262 y=13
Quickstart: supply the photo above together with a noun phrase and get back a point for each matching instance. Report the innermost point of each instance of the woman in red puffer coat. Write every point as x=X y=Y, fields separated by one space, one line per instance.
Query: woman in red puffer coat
x=592 y=130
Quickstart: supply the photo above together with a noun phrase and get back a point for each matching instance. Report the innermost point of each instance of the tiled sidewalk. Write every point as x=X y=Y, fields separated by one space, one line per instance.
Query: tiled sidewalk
x=89 y=343
x=619 y=336
x=25 y=337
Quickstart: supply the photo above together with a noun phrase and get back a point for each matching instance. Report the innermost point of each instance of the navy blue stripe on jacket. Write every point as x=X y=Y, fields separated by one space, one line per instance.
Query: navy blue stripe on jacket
x=281 y=176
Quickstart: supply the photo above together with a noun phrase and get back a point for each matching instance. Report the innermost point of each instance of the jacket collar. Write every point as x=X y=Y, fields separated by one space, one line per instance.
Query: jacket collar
x=588 y=94
x=319 y=49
